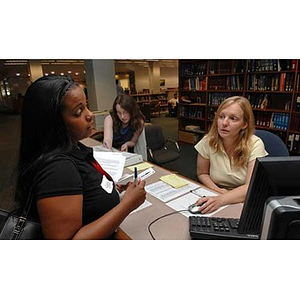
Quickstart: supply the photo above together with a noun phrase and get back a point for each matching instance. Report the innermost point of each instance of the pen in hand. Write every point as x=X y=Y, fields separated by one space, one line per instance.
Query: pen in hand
x=135 y=174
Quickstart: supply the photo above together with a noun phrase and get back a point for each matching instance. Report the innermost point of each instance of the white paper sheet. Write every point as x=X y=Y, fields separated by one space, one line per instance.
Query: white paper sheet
x=185 y=201
x=112 y=162
x=165 y=192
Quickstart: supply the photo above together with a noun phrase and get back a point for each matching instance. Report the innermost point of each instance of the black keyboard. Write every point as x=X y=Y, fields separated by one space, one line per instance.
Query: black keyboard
x=204 y=228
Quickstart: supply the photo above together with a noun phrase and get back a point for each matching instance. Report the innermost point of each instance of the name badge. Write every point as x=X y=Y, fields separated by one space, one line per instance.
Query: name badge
x=107 y=185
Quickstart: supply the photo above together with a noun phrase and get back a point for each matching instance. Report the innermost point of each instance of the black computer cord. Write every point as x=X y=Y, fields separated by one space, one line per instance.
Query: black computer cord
x=169 y=214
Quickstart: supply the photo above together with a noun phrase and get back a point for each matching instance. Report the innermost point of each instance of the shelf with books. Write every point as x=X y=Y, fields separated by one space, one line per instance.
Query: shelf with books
x=271 y=85
x=158 y=102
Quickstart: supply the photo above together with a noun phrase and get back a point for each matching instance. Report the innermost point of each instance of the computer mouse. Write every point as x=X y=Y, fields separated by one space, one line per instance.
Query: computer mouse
x=194 y=208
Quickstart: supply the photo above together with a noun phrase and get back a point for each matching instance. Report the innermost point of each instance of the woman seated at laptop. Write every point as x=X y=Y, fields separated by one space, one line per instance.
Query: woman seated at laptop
x=226 y=155
x=124 y=125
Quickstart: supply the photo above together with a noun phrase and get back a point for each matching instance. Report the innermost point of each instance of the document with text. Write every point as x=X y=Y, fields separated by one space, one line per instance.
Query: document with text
x=112 y=162
x=165 y=192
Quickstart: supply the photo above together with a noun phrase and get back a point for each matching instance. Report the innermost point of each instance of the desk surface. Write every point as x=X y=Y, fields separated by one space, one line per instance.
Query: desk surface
x=174 y=227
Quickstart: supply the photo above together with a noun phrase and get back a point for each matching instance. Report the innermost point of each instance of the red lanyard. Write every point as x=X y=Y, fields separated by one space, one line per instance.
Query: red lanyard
x=97 y=166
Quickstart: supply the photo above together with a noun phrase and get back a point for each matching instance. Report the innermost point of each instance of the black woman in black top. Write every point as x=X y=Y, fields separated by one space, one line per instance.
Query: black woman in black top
x=76 y=198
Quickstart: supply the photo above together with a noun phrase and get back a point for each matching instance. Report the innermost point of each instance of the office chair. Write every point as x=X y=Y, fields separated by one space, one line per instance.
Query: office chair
x=141 y=145
x=273 y=143
x=160 y=151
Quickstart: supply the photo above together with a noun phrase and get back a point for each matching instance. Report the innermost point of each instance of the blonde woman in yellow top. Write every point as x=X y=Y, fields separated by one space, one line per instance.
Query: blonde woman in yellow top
x=226 y=155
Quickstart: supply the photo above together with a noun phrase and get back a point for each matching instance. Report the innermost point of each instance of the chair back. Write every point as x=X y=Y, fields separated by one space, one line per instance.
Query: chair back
x=154 y=137
x=273 y=143
x=141 y=145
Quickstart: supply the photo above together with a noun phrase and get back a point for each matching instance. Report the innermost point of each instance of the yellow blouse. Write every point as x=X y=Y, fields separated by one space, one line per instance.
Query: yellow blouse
x=221 y=170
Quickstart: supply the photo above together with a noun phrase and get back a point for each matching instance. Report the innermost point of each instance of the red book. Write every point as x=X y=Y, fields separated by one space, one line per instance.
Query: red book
x=282 y=82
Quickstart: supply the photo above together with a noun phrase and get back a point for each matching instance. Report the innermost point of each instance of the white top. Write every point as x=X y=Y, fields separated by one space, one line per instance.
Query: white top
x=222 y=171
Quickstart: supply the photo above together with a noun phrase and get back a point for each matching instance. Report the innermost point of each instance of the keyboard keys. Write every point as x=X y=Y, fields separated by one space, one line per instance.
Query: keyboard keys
x=215 y=228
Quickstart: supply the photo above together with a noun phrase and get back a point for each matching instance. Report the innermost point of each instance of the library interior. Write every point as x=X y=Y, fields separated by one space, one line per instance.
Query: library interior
x=179 y=99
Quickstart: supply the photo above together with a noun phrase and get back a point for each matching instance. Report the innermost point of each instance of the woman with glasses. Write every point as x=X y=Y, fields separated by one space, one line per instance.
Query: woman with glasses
x=124 y=125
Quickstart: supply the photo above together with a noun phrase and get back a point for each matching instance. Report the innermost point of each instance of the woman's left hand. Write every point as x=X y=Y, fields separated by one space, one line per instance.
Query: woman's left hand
x=121 y=187
x=124 y=147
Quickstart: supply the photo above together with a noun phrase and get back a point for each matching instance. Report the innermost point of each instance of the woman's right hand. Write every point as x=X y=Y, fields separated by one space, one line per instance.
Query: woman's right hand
x=135 y=194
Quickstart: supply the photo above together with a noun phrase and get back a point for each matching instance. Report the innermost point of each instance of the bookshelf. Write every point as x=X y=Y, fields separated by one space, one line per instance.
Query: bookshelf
x=271 y=85
x=158 y=102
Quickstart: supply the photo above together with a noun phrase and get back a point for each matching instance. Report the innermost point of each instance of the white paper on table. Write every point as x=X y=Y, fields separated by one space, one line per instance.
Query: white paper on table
x=112 y=162
x=185 y=201
x=142 y=206
x=165 y=192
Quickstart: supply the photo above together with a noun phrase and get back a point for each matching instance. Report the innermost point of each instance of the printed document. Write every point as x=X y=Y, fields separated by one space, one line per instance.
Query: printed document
x=112 y=162
x=165 y=192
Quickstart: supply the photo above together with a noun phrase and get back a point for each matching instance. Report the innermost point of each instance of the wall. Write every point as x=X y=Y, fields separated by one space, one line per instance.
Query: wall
x=171 y=77
x=142 y=78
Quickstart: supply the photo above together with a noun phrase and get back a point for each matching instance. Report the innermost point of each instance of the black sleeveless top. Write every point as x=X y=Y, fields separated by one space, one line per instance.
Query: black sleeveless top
x=121 y=136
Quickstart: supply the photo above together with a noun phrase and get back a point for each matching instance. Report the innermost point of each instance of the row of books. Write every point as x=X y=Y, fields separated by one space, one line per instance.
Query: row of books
x=217 y=98
x=293 y=143
x=265 y=65
x=227 y=66
x=237 y=66
x=226 y=83
x=194 y=69
x=192 y=112
x=272 y=120
x=149 y=97
x=283 y=82
x=194 y=84
x=263 y=101
x=297 y=105
x=295 y=122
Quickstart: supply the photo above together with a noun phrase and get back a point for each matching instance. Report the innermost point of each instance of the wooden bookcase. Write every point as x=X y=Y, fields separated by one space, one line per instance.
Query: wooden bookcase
x=271 y=85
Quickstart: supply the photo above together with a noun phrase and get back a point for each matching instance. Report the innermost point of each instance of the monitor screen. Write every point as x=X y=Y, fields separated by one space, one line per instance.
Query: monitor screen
x=272 y=176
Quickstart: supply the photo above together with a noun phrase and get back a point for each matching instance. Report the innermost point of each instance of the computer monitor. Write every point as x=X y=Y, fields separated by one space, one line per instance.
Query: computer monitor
x=272 y=176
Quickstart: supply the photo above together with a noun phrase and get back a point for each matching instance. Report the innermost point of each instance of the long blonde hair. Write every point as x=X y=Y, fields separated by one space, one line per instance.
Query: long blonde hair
x=242 y=149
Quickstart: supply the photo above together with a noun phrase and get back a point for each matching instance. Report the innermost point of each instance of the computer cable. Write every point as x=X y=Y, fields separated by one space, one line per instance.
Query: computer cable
x=163 y=216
